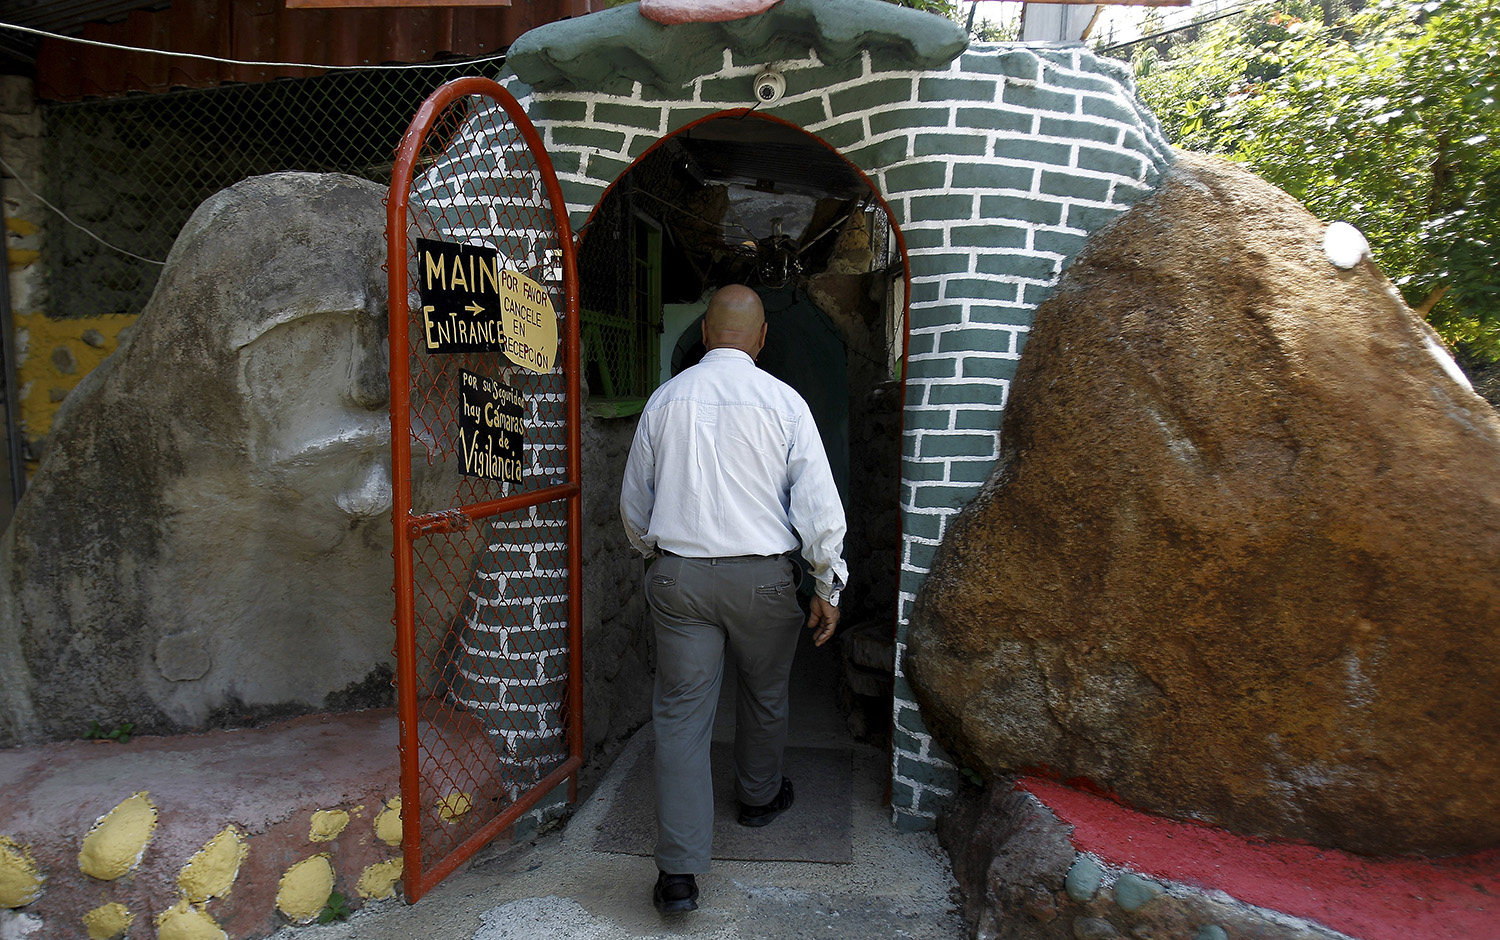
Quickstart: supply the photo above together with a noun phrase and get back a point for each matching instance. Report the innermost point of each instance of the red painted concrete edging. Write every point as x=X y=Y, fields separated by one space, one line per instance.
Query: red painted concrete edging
x=1369 y=898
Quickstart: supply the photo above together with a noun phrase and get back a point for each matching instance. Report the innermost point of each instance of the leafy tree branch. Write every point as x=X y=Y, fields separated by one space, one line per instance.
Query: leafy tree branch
x=1386 y=118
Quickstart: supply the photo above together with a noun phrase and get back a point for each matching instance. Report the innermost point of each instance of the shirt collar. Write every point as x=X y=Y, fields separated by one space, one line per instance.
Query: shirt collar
x=728 y=352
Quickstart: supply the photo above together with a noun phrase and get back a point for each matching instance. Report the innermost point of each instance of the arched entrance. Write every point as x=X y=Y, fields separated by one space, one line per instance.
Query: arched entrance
x=738 y=197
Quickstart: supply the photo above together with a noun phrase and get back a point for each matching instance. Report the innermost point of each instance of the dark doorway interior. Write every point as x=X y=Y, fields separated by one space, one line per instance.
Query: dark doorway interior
x=754 y=201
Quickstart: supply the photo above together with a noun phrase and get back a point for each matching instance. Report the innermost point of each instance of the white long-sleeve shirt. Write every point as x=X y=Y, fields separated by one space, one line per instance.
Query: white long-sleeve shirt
x=727 y=461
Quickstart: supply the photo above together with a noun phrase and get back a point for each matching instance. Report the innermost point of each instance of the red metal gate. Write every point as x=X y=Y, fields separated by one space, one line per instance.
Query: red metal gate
x=485 y=462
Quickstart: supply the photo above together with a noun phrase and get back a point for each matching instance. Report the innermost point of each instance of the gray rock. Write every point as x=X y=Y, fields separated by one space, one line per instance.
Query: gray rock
x=1083 y=879
x=1007 y=851
x=617 y=664
x=1132 y=892
x=64 y=361
x=208 y=536
x=1239 y=561
x=1094 y=928
x=183 y=657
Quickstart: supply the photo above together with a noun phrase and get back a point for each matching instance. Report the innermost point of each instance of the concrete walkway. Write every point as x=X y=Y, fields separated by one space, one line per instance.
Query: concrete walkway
x=557 y=887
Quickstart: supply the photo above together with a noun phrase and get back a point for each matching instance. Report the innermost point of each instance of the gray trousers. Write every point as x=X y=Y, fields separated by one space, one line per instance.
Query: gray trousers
x=697 y=605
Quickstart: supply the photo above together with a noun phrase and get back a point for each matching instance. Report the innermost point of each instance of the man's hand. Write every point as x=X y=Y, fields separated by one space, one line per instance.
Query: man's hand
x=822 y=617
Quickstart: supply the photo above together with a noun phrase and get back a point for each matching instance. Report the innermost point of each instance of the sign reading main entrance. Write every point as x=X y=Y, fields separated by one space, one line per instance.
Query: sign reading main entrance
x=459 y=286
x=470 y=304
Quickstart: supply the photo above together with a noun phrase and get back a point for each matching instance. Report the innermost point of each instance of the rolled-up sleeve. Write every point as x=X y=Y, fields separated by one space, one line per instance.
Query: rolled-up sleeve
x=638 y=491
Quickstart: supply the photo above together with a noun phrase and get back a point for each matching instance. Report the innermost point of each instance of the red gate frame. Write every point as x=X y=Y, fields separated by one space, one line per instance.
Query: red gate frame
x=418 y=880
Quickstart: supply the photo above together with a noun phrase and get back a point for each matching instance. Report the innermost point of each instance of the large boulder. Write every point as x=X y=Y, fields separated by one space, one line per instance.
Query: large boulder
x=208 y=537
x=1240 y=559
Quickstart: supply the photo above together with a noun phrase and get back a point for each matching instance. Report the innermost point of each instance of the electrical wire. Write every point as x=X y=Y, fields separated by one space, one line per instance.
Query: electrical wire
x=64 y=216
x=710 y=223
x=1218 y=15
x=446 y=64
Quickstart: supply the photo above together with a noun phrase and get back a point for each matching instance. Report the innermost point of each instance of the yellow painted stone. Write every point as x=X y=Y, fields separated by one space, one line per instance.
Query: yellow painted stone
x=327 y=824
x=20 y=226
x=108 y=921
x=454 y=805
x=39 y=335
x=118 y=840
x=211 y=871
x=184 y=921
x=23 y=257
x=304 y=889
x=388 y=823
x=20 y=879
x=379 y=880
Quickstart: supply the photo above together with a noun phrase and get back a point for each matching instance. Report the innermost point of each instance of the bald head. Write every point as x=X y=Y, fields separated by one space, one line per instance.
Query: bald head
x=735 y=320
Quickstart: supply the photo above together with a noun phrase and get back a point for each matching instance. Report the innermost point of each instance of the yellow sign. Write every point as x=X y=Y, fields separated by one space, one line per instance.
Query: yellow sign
x=530 y=322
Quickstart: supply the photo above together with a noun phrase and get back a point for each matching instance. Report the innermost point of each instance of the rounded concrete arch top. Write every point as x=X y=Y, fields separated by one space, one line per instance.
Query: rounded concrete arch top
x=610 y=50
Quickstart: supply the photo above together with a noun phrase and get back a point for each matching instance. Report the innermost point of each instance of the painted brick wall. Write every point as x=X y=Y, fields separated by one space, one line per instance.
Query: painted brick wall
x=511 y=663
x=997 y=170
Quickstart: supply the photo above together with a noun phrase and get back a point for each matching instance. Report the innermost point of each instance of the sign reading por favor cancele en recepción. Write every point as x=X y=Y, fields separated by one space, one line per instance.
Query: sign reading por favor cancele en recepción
x=491 y=427
x=471 y=304
x=530 y=322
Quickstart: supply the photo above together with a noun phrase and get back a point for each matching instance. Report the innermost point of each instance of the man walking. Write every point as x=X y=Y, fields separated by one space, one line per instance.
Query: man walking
x=726 y=478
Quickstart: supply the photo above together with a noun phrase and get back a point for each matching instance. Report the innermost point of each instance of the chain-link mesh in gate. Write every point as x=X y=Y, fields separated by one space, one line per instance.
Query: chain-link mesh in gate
x=490 y=711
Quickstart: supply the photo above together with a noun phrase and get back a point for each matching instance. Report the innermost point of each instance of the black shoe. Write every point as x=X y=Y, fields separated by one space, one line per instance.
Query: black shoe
x=675 y=894
x=760 y=815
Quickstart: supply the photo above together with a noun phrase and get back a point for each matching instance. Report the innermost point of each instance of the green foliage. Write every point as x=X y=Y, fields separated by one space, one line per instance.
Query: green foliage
x=1385 y=118
x=948 y=8
x=337 y=908
x=990 y=31
x=119 y=734
x=958 y=11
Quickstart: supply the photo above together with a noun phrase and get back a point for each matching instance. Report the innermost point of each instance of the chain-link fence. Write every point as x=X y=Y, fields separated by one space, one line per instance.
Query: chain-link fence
x=132 y=170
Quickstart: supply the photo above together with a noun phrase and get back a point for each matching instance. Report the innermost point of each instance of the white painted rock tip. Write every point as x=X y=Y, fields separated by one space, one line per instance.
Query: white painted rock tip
x=1345 y=245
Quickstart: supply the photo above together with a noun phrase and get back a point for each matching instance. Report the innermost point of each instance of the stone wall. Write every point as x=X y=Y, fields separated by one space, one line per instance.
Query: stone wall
x=25 y=218
x=617 y=663
x=70 y=295
x=996 y=170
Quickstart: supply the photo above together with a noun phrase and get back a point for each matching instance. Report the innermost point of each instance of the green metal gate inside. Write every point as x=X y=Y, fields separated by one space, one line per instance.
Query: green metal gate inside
x=485 y=462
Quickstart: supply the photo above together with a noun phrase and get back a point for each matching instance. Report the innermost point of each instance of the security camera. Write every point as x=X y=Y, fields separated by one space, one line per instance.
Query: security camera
x=769 y=86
